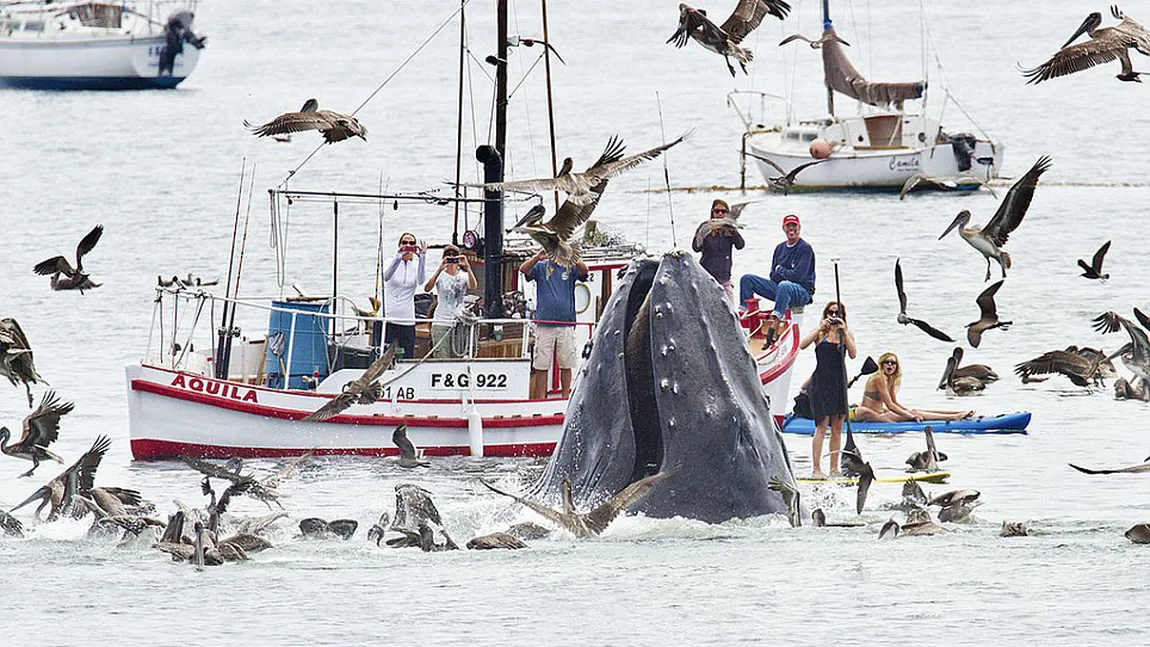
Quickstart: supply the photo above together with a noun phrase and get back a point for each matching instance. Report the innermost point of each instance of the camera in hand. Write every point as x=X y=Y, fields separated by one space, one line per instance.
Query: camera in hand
x=834 y=321
x=409 y=248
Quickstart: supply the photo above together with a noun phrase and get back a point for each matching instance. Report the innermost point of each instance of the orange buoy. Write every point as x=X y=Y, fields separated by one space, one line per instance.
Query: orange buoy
x=820 y=149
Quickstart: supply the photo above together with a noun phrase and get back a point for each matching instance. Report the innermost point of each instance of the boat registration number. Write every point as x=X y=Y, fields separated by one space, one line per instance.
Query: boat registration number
x=464 y=380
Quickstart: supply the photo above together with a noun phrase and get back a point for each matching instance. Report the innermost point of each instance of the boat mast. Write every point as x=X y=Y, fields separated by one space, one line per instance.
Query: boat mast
x=492 y=159
x=550 y=101
x=459 y=121
x=827 y=24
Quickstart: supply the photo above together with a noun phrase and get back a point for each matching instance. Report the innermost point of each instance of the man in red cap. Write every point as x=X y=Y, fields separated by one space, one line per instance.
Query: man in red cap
x=792 y=280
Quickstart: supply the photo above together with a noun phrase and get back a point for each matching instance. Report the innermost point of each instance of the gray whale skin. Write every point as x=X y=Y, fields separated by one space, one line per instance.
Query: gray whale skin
x=670 y=384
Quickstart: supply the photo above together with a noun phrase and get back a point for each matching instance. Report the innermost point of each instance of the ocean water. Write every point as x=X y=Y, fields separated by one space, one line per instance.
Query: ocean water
x=160 y=170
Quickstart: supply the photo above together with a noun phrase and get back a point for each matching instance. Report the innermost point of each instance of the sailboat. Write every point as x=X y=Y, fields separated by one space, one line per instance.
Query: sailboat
x=201 y=390
x=883 y=146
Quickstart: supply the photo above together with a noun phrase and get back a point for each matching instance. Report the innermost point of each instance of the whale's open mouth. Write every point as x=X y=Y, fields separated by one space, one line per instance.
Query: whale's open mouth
x=643 y=406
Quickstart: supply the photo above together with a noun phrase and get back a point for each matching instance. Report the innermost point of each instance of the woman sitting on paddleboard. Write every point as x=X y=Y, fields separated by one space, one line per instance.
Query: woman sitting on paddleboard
x=879 y=403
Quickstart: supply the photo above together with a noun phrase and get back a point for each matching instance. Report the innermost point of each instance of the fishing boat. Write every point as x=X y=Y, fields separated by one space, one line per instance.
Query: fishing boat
x=881 y=147
x=203 y=390
x=84 y=45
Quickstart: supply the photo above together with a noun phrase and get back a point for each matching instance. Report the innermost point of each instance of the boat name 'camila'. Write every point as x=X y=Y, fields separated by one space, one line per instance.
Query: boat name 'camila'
x=898 y=164
x=212 y=387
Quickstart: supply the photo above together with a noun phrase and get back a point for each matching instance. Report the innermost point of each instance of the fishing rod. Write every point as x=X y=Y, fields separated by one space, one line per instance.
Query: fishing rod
x=666 y=173
x=223 y=333
x=226 y=351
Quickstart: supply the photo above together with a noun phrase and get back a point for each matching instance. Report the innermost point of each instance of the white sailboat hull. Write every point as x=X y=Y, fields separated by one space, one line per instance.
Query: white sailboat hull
x=96 y=64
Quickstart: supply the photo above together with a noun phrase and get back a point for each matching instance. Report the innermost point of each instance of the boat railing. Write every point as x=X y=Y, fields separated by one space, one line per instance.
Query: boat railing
x=307 y=329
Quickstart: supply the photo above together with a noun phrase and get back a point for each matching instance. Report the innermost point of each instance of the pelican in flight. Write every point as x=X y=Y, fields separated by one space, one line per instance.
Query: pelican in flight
x=786 y=179
x=16 y=356
x=334 y=126
x=1136 y=354
x=730 y=222
x=815 y=44
x=902 y=316
x=1082 y=367
x=580 y=187
x=362 y=390
x=79 y=479
x=724 y=40
x=989 y=239
x=1105 y=45
x=41 y=428
x=74 y=277
x=1093 y=270
x=989 y=317
x=553 y=235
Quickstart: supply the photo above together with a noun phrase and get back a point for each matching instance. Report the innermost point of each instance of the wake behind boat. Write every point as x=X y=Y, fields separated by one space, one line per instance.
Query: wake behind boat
x=881 y=147
x=84 y=45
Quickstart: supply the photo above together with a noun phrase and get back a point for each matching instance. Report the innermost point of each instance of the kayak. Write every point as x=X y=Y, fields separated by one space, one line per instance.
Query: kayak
x=1009 y=423
x=923 y=477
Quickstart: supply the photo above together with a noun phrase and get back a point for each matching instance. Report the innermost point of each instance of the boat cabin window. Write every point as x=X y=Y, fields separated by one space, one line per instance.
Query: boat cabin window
x=10 y=26
x=96 y=14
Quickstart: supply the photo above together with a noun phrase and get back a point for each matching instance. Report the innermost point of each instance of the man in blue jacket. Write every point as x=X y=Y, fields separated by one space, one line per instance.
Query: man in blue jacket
x=792 y=281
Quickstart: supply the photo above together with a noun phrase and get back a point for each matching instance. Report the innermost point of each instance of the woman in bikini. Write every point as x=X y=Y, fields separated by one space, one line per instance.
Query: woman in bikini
x=880 y=404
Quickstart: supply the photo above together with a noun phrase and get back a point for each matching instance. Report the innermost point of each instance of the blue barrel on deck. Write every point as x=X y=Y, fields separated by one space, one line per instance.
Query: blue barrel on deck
x=308 y=348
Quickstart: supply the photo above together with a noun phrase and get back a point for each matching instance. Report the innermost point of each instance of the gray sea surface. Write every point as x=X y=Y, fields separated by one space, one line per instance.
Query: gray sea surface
x=160 y=170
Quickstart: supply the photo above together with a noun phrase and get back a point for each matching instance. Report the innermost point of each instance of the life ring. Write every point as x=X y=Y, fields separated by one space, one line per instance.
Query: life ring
x=582 y=298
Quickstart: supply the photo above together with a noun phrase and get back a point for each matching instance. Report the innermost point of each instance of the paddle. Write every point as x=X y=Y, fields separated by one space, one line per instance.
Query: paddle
x=852 y=460
x=869 y=367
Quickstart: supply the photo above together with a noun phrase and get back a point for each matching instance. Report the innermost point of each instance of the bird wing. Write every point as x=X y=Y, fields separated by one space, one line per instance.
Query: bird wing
x=598 y=519
x=1017 y=201
x=611 y=169
x=381 y=364
x=770 y=162
x=542 y=510
x=930 y=330
x=211 y=469
x=866 y=477
x=406 y=447
x=341 y=127
x=86 y=244
x=736 y=209
x=690 y=21
x=748 y=14
x=284 y=473
x=85 y=468
x=985 y=302
x=1069 y=364
x=898 y=286
x=1111 y=321
x=334 y=407
x=1133 y=469
x=1106 y=45
x=341 y=402
x=790 y=177
x=11 y=331
x=912 y=182
x=571 y=215
x=53 y=265
x=794 y=37
x=1085 y=267
x=1099 y=256
x=291 y=122
x=42 y=426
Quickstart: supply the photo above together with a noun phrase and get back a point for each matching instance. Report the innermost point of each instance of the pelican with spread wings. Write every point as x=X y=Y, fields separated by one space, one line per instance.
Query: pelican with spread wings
x=40 y=429
x=730 y=223
x=16 y=356
x=580 y=187
x=902 y=316
x=786 y=179
x=362 y=390
x=1105 y=45
x=724 y=40
x=74 y=278
x=334 y=126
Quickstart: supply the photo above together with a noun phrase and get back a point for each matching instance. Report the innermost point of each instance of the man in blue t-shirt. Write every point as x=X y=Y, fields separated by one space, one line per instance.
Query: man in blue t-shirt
x=792 y=281
x=554 y=306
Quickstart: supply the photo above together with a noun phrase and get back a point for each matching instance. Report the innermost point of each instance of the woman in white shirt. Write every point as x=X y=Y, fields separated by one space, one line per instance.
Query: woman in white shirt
x=405 y=274
x=451 y=282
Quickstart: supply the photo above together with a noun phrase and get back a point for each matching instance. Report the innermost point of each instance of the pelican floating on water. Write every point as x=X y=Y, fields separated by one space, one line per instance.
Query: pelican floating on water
x=724 y=40
x=965 y=384
x=1105 y=45
x=988 y=240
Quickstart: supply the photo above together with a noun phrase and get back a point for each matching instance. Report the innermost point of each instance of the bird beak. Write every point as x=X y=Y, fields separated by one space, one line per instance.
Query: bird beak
x=42 y=494
x=1082 y=29
x=953 y=224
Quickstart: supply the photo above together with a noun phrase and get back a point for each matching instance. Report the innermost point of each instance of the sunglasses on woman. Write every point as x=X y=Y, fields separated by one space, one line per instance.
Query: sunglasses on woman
x=889 y=362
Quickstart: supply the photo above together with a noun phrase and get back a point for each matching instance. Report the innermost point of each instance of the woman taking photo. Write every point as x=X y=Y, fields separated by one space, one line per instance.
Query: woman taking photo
x=828 y=391
x=401 y=279
x=879 y=403
x=451 y=282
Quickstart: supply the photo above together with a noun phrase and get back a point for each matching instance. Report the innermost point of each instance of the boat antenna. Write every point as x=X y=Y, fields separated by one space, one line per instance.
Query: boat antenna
x=458 y=128
x=379 y=244
x=666 y=174
x=550 y=101
x=223 y=333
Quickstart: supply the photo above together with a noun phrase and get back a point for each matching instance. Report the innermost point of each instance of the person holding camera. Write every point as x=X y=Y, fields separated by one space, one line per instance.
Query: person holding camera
x=554 y=308
x=451 y=282
x=828 y=393
x=401 y=279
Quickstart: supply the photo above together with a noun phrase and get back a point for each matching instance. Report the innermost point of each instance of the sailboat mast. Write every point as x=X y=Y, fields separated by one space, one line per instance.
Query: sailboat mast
x=501 y=81
x=827 y=25
x=492 y=159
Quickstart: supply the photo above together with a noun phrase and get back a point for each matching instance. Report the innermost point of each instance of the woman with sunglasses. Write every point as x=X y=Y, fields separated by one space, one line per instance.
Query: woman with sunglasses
x=880 y=404
x=828 y=383
x=401 y=279
x=716 y=243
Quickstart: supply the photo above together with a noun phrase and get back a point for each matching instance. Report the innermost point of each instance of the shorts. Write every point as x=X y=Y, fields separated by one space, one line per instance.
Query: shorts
x=554 y=343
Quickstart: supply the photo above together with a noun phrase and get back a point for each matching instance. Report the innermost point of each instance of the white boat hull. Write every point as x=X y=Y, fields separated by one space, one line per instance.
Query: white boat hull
x=94 y=64
x=178 y=413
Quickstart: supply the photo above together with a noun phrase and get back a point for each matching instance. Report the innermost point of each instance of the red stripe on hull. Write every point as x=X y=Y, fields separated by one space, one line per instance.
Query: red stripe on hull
x=148 y=449
x=346 y=419
x=778 y=368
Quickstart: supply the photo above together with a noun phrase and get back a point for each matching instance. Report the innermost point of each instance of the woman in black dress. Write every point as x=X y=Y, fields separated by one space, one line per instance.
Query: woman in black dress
x=828 y=383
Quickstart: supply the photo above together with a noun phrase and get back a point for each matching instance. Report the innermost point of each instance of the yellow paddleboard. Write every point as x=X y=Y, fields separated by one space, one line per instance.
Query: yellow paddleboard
x=925 y=477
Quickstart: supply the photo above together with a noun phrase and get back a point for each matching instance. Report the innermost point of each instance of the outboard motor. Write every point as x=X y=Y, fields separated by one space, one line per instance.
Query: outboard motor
x=178 y=31
x=963 y=146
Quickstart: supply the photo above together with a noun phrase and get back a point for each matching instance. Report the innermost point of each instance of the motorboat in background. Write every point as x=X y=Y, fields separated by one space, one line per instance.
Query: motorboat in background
x=881 y=147
x=84 y=45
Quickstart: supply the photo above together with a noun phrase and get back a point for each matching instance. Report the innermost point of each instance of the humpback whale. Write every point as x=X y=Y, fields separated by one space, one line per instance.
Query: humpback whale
x=670 y=386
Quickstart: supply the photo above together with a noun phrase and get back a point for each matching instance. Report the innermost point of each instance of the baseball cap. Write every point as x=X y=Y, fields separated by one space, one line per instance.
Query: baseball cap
x=791 y=219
